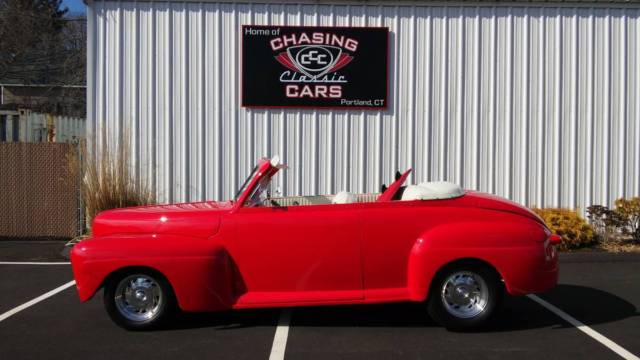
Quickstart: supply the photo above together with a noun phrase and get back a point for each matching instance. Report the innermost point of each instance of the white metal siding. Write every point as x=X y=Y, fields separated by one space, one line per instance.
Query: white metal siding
x=536 y=103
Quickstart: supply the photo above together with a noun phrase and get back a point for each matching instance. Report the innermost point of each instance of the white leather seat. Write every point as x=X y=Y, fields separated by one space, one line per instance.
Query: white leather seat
x=432 y=191
x=344 y=197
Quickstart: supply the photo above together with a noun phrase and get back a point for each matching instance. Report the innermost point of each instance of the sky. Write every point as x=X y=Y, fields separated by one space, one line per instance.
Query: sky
x=75 y=6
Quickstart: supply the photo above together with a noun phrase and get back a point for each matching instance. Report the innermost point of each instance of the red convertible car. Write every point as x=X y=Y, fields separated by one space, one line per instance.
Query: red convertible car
x=457 y=251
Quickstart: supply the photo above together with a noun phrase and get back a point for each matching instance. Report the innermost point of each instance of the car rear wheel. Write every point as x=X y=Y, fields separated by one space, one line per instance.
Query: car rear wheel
x=138 y=300
x=464 y=297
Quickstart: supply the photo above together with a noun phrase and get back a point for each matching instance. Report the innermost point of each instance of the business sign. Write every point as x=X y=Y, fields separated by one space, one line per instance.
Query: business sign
x=314 y=67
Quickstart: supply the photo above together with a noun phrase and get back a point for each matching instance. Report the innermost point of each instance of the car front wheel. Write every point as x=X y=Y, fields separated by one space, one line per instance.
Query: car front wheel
x=464 y=297
x=138 y=300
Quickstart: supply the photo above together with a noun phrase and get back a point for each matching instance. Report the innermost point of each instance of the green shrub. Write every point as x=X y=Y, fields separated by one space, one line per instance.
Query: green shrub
x=575 y=231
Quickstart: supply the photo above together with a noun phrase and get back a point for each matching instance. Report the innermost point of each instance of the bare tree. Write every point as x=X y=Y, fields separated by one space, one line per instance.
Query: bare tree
x=39 y=45
x=74 y=51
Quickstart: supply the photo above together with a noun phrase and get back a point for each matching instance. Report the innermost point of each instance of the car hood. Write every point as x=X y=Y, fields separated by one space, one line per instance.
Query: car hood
x=493 y=202
x=201 y=219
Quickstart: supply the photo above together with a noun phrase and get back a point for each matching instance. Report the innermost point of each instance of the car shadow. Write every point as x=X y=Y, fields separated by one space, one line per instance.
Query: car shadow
x=223 y=320
x=588 y=305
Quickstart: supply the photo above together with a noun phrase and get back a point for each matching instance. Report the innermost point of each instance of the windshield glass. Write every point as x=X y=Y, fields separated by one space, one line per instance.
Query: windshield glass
x=260 y=194
x=245 y=183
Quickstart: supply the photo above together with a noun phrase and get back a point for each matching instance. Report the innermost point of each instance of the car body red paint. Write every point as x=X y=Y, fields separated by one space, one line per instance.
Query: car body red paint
x=225 y=255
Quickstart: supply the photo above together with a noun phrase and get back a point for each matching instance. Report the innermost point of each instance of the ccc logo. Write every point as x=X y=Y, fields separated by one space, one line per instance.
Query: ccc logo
x=314 y=57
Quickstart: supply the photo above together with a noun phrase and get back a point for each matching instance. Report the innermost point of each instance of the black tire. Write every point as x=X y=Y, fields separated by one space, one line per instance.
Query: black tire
x=444 y=314
x=161 y=312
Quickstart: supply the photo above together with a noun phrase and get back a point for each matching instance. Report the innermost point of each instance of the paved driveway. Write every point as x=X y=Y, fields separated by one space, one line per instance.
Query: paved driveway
x=601 y=291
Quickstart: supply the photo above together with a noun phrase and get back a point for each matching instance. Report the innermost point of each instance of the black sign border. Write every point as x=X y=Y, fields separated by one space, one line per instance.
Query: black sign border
x=309 y=107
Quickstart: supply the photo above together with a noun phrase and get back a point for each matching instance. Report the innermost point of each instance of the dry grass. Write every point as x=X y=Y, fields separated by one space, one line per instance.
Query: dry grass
x=621 y=248
x=619 y=244
x=107 y=180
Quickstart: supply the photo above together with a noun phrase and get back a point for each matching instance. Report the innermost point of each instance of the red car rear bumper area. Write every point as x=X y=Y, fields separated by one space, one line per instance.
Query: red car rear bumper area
x=543 y=277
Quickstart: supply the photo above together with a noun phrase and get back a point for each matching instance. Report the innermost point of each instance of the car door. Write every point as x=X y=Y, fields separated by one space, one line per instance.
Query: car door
x=299 y=253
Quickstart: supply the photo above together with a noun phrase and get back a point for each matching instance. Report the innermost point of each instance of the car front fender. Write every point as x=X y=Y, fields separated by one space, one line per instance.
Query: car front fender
x=200 y=271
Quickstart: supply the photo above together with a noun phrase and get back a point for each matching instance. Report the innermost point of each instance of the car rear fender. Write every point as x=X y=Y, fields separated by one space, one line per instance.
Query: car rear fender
x=200 y=273
x=500 y=245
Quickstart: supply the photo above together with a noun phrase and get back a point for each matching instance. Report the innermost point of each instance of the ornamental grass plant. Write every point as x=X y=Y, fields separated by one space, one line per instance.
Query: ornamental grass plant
x=108 y=180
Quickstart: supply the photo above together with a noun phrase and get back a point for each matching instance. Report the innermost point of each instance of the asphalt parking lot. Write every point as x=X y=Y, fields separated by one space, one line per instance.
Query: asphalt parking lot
x=600 y=290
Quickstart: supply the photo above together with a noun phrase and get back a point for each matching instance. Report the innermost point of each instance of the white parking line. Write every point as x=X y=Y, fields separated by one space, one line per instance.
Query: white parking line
x=33 y=263
x=280 y=338
x=624 y=353
x=32 y=302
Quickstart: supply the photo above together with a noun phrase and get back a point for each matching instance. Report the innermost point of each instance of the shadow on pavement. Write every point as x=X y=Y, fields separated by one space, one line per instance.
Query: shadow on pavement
x=32 y=250
x=223 y=320
x=590 y=306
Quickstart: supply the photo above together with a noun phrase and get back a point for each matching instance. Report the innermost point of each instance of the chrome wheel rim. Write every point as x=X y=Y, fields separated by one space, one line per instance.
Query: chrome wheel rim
x=139 y=297
x=465 y=294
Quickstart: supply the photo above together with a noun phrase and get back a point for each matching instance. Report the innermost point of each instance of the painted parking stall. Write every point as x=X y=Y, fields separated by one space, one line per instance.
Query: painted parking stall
x=59 y=328
x=607 y=300
x=23 y=281
x=611 y=345
x=523 y=328
x=36 y=300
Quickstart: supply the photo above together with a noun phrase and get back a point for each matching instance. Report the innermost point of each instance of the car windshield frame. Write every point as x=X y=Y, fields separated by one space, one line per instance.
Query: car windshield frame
x=246 y=183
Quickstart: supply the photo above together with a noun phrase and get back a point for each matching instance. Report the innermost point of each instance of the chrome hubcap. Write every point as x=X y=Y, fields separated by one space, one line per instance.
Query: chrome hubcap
x=138 y=297
x=465 y=294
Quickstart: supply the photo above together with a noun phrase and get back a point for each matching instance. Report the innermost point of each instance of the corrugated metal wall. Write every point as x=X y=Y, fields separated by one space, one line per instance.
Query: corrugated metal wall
x=536 y=103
